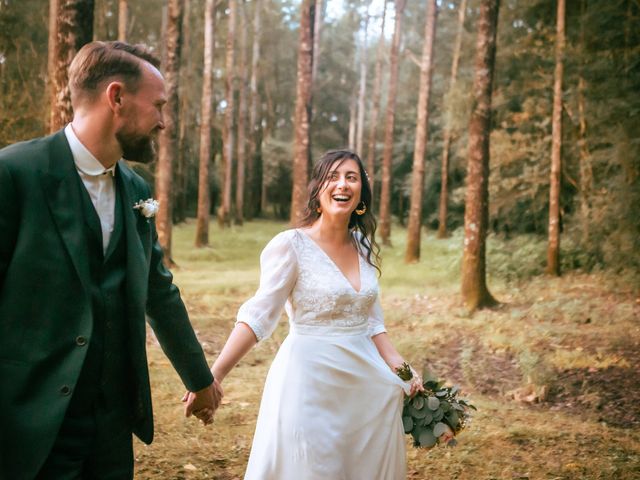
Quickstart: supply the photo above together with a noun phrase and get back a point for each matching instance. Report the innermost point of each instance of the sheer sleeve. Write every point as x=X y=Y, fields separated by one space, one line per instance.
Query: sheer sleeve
x=376 y=318
x=278 y=273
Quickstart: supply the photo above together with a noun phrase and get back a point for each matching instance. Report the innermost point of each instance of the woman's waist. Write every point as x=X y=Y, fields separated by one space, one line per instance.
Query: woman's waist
x=330 y=328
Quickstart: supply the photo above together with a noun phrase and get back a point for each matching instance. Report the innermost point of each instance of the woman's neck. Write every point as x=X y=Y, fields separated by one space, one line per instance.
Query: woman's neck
x=331 y=230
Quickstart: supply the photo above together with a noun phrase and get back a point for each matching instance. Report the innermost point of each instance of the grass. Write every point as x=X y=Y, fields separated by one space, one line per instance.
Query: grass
x=553 y=370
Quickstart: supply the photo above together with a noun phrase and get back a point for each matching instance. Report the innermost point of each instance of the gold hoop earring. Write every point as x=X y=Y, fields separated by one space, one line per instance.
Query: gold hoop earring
x=361 y=211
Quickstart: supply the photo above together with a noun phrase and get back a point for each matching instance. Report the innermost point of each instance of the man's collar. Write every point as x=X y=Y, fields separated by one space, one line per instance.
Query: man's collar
x=83 y=158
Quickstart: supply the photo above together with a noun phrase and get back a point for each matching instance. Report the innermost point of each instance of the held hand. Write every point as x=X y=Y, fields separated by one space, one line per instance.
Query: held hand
x=203 y=403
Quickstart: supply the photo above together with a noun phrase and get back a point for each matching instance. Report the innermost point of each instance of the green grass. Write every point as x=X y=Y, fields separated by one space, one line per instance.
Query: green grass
x=571 y=345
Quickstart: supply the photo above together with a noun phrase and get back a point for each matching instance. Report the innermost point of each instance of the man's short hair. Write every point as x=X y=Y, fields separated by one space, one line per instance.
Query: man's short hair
x=97 y=62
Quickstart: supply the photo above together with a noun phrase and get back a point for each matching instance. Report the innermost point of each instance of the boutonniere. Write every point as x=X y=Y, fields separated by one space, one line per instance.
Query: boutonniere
x=148 y=208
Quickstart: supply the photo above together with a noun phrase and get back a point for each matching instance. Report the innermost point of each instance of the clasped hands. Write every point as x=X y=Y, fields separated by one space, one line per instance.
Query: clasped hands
x=203 y=403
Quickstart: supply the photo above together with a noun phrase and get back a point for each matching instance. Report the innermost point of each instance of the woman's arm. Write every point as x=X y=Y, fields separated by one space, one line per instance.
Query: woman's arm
x=240 y=341
x=387 y=351
x=392 y=358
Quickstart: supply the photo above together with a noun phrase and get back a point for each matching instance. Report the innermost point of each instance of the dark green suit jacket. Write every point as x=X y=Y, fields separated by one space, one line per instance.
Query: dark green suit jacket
x=45 y=304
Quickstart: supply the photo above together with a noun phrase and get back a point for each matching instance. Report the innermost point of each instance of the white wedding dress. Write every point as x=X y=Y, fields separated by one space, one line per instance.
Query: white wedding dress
x=331 y=407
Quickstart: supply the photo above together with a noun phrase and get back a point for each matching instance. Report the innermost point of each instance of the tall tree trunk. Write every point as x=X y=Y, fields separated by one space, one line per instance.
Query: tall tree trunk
x=553 y=249
x=302 y=119
x=317 y=29
x=123 y=15
x=586 y=170
x=254 y=164
x=228 y=138
x=167 y=144
x=375 y=108
x=187 y=119
x=387 y=154
x=443 y=211
x=363 y=88
x=475 y=293
x=74 y=29
x=412 y=254
x=204 y=200
x=353 y=122
x=51 y=56
x=242 y=118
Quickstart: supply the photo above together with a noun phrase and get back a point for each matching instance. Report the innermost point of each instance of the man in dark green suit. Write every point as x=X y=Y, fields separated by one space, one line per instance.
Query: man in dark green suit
x=80 y=267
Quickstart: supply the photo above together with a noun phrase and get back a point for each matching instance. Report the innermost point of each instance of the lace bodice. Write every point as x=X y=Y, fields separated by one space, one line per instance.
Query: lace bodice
x=298 y=275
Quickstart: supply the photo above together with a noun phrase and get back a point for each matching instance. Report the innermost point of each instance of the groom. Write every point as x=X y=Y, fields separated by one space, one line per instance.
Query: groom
x=79 y=269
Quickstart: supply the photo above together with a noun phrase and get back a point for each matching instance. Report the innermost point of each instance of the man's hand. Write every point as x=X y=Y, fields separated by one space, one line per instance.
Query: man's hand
x=203 y=403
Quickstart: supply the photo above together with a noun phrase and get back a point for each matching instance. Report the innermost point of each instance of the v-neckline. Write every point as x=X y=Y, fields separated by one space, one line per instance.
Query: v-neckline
x=335 y=265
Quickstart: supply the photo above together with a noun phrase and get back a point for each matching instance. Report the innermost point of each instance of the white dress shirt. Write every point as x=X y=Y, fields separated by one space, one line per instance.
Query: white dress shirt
x=98 y=181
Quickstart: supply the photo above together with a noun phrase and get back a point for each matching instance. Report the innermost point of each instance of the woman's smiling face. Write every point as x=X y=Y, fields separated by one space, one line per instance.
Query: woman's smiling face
x=340 y=195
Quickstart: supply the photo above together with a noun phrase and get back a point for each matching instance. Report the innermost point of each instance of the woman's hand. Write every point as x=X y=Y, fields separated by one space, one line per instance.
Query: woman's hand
x=416 y=383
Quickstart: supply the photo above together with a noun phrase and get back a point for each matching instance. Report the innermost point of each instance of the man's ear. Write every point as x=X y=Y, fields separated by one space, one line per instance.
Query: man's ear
x=115 y=91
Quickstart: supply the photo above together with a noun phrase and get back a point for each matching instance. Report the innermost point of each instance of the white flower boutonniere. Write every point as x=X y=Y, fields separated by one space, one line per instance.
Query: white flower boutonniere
x=148 y=208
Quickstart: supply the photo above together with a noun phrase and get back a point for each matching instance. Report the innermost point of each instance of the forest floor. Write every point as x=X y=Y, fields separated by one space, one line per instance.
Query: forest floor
x=554 y=370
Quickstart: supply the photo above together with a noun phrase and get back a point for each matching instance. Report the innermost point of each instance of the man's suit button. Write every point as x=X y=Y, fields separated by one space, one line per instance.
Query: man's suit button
x=81 y=341
x=65 y=390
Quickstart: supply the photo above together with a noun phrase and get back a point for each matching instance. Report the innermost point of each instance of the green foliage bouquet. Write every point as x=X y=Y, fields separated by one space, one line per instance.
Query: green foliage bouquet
x=430 y=413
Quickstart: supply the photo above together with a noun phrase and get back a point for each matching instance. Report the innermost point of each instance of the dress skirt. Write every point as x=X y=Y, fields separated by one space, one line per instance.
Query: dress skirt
x=331 y=410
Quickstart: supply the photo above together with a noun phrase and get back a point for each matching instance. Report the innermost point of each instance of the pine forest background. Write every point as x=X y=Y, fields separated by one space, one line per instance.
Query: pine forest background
x=599 y=214
x=537 y=152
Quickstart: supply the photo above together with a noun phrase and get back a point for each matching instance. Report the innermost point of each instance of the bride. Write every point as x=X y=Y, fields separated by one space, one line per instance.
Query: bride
x=332 y=402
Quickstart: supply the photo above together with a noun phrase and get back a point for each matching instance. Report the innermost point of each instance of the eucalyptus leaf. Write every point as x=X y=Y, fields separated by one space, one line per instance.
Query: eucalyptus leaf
x=427 y=439
x=418 y=402
x=437 y=415
x=433 y=403
x=417 y=413
x=407 y=422
x=440 y=428
x=453 y=418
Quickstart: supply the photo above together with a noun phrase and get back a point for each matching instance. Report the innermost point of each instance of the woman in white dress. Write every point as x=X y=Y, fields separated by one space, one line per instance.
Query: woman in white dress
x=332 y=402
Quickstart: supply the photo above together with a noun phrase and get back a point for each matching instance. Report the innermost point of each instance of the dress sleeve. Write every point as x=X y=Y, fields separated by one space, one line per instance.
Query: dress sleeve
x=278 y=274
x=376 y=319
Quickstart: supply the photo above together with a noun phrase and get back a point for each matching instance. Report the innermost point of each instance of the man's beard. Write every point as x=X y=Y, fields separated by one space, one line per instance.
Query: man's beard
x=137 y=148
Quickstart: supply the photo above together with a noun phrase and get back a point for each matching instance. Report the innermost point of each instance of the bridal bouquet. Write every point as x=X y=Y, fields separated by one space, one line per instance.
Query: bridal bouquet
x=427 y=414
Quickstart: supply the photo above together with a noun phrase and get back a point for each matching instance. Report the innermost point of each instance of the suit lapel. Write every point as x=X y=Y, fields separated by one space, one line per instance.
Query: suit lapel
x=62 y=191
x=137 y=264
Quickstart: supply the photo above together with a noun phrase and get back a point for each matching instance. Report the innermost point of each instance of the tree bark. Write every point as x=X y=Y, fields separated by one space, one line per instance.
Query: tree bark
x=475 y=293
x=228 y=138
x=387 y=154
x=375 y=108
x=74 y=29
x=317 y=28
x=353 y=122
x=205 y=157
x=51 y=56
x=185 y=150
x=123 y=15
x=362 y=89
x=242 y=118
x=586 y=169
x=302 y=119
x=167 y=144
x=254 y=164
x=553 y=249
x=412 y=254
x=443 y=211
